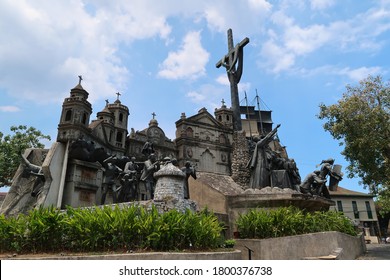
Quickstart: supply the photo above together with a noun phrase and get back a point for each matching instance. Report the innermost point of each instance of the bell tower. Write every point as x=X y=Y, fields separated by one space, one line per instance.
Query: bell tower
x=121 y=115
x=224 y=115
x=75 y=115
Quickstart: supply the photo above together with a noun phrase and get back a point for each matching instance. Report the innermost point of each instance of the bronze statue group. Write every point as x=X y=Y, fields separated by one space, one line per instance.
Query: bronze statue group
x=270 y=169
x=122 y=176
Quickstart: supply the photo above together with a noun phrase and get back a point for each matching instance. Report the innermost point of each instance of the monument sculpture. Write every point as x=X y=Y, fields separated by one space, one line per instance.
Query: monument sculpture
x=111 y=179
x=260 y=162
x=150 y=167
x=227 y=170
x=234 y=72
x=36 y=171
x=315 y=182
x=129 y=181
x=284 y=172
x=189 y=171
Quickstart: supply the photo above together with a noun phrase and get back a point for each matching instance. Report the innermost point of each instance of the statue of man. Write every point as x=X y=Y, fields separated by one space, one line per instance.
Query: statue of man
x=312 y=183
x=35 y=170
x=150 y=167
x=260 y=162
x=189 y=171
x=111 y=173
x=129 y=181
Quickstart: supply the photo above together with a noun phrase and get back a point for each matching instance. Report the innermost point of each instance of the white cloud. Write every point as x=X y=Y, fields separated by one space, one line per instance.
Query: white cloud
x=209 y=96
x=196 y=97
x=360 y=73
x=288 y=40
x=261 y=5
x=51 y=44
x=276 y=58
x=10 y=109
x=223 y=80
x=306 y=40
x=321 y=4
x=188 y=62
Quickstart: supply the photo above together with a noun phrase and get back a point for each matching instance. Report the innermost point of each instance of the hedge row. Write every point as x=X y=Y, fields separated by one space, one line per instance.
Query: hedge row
x=108 y=229
x=287 y=221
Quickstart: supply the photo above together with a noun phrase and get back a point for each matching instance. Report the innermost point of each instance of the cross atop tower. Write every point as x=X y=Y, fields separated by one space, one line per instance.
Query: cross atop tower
x=117 y=95
x=153 y=114
x=80 y=79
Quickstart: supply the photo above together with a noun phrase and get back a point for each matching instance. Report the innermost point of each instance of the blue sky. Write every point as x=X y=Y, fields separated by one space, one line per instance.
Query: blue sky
x=161 y=56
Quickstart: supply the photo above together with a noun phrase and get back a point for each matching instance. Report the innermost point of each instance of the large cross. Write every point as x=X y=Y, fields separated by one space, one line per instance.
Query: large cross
x=229 y=61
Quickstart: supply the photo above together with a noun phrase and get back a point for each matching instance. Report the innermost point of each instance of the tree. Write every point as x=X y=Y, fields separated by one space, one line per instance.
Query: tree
x=361 y=121
x=12 y=146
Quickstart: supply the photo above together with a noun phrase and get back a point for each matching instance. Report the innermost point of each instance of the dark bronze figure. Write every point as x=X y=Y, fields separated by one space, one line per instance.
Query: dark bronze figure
x=260 y=162
x=150 y=167
x=111 y=179
x=129 y=181
x=189 y=171
x=229 y=61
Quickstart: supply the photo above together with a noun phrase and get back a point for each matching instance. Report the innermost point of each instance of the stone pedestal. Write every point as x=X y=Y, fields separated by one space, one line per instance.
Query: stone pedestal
x=170 y=183
x=170 y=189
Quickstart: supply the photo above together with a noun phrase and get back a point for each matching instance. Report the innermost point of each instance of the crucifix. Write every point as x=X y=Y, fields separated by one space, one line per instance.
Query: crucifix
x=153 y=114
x=117 y=95
x=229 y=61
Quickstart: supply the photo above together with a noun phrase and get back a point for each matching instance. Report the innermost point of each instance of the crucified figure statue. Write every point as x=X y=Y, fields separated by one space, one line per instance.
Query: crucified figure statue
x=229 y=61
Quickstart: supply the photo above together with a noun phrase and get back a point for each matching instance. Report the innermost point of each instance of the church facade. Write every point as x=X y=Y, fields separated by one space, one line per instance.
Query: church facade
x=203 y=139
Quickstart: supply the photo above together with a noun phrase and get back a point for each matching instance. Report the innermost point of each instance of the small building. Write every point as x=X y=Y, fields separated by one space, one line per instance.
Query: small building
x=360 y=208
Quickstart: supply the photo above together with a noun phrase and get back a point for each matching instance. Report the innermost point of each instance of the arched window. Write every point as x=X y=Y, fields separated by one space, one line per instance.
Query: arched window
x=222 y=139
x=120 y=117
x=85 y=118
x=68 y=115
x=119 y=136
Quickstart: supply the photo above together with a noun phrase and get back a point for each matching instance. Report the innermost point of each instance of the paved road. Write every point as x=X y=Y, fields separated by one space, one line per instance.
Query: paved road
x=377 y=252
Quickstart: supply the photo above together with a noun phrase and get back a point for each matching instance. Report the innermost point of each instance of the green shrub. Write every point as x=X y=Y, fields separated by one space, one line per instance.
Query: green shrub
x=229 y=243
x=13 y=231
x=109 y=229
x=44 y=230
x=287 y=221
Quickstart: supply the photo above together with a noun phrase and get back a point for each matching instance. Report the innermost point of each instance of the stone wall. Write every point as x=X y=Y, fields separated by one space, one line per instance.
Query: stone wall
x=298 y=247
x=240 y=157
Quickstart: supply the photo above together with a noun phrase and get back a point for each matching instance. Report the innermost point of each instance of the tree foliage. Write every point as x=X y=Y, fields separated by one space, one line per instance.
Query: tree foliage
x=361 y=121
x=13 y=145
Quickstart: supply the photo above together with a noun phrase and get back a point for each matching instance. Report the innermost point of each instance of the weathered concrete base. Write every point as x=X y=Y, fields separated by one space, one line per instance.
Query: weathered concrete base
x=322 y=245
x=225 y=255
x=315 y=246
